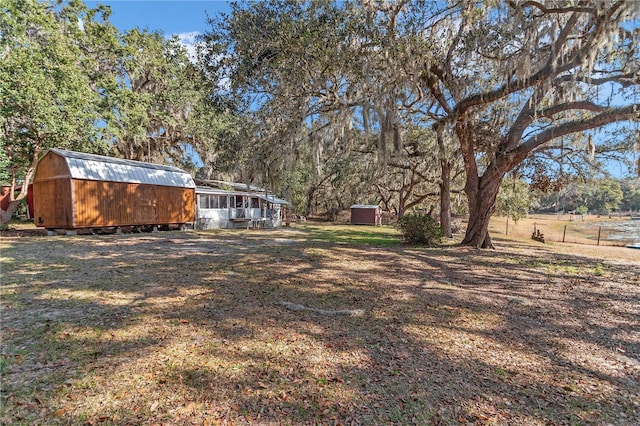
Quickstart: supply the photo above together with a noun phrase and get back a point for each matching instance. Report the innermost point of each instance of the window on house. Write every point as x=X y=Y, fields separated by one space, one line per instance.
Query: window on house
x=203 y=201
x=210 y=201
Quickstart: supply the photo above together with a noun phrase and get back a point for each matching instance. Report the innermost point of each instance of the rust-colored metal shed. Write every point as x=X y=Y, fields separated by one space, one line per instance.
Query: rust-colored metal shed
x=77 y=190
x=366 y=214
x=5 y=196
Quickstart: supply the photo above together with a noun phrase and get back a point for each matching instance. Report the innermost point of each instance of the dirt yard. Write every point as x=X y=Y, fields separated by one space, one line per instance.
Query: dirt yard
x=316 y=325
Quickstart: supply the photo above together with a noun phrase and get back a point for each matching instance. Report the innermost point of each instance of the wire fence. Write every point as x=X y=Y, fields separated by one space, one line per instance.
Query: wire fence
x=579 y=230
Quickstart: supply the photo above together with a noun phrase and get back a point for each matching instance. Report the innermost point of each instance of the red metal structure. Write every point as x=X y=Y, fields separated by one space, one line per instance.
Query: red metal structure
x=365 y=214
x=4 y=199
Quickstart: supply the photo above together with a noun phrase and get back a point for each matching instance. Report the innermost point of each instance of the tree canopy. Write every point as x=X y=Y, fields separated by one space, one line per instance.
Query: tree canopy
x=407 y=103
x=71 y=80
x=45 y=96
x=504 y=80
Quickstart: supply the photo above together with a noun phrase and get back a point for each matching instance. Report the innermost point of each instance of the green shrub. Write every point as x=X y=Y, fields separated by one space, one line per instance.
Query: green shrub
x=420 y=229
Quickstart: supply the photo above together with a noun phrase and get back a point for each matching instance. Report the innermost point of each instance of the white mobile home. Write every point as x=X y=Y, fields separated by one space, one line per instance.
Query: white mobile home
x=219 y=208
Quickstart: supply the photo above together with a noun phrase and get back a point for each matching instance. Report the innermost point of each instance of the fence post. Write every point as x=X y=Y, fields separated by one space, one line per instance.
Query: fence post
x=564 y=233
x=599 y=230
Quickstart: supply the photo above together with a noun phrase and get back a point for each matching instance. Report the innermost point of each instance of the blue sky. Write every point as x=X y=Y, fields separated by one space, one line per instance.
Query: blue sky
x=168 y=16
x=186 y=19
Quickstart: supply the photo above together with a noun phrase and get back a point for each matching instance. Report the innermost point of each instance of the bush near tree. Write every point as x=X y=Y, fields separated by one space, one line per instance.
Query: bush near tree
x=420 y=229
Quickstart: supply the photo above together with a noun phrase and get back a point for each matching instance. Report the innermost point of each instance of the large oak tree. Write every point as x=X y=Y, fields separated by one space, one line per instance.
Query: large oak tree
x=500 y=79
x=515 y=76
x=70 y=79
x=46 y=99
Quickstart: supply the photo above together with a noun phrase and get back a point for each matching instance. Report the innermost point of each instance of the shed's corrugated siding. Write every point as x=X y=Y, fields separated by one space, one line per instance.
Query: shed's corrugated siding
x=119 y=204
x=52 y=203
x=51 y=166
x=64 y=202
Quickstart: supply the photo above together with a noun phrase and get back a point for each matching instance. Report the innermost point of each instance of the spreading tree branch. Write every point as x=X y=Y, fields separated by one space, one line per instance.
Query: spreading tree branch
x=630 y=112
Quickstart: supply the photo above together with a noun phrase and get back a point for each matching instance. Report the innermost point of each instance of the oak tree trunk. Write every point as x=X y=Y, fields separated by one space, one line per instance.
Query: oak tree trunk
x=445 y=199
x=6 y=215
x=14 y=200
x=311 y=195
x=401 y=196
x=482 y=204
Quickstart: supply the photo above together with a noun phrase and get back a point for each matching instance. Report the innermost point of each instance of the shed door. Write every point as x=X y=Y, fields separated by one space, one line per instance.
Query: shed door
x=146 y=204
x=60 y=197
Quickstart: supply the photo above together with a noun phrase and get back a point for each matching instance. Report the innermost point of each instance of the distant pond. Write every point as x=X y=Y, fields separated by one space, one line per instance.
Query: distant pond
x=625 y=230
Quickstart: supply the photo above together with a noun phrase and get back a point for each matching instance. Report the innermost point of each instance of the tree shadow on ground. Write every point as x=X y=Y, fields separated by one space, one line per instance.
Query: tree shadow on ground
x=426 y=336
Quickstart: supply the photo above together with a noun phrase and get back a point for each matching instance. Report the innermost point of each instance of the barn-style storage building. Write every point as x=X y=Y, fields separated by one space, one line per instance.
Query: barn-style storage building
x=76 y=190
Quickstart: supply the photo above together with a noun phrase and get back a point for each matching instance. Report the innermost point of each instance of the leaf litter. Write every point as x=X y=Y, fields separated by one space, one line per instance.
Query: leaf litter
x=250 y=327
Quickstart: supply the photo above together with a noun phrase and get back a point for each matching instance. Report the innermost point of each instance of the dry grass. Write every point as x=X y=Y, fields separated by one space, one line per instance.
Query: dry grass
x=315 y=325
x=575 y=229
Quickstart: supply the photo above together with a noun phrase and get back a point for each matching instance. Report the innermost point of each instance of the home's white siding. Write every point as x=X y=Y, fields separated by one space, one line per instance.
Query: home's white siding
x=239 y=209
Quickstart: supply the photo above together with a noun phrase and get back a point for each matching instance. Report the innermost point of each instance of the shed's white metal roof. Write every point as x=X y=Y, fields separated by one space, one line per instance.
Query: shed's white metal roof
x=99 y=167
